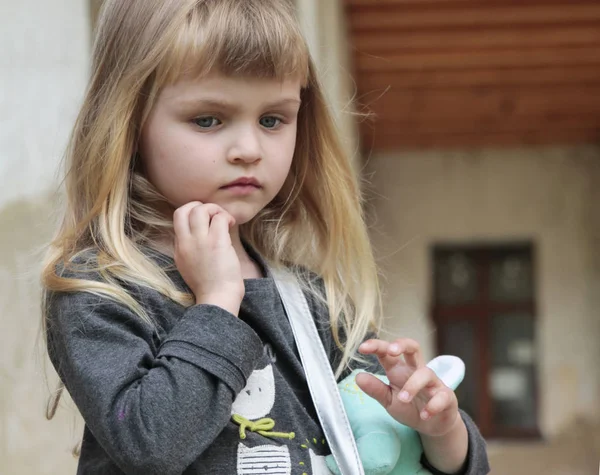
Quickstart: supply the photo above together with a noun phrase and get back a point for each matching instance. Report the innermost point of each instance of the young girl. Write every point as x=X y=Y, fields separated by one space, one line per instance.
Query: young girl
x=203 y=154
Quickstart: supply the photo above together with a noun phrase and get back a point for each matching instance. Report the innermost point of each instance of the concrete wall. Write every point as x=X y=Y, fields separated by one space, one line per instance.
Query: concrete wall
x=548 y=195
x=43 y=61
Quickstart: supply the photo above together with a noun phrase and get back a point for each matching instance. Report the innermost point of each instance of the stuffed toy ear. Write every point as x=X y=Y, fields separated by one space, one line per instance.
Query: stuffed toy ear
x=450 y=369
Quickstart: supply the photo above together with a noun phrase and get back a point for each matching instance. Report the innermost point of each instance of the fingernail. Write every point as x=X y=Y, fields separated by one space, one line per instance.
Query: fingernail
x=404 y=396
x=424 y=415
x=394 y=348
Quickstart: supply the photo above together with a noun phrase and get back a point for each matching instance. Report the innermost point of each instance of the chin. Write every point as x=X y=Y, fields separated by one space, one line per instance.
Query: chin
x=241 y=215
x=242 y=211
x=243 y=218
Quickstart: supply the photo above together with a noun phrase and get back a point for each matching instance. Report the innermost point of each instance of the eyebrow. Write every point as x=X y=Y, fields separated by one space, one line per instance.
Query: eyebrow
x=223 y=104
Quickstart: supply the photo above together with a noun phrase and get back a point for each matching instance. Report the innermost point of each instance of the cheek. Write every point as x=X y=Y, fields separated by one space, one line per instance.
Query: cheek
x=177 y=163
x=166 y=147
x=174 y=151
x=157 y=148
x=286 y=151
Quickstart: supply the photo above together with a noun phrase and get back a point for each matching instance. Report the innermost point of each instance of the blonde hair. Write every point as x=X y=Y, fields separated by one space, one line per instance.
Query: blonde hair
x=315 y=223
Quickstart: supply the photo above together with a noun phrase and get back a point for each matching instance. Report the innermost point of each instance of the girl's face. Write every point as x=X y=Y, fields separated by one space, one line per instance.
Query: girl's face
x=223 y=140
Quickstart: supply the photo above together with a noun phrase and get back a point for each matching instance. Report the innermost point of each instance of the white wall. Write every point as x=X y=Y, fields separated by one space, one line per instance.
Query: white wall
x=545 y=195
x=45 y=46
x=43 y=63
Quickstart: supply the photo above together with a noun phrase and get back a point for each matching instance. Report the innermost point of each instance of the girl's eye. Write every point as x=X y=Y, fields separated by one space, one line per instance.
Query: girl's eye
x=207 y=122
x=270 y=122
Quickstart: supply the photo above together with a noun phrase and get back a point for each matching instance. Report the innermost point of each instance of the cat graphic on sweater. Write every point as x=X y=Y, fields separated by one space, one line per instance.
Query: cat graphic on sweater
x=251 y=409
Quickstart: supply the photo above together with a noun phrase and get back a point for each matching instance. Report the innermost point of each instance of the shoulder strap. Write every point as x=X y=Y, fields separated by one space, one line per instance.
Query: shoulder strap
x=319 y=375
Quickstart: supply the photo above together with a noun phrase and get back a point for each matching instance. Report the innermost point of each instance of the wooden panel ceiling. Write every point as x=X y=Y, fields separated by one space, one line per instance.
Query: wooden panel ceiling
x=447 y=73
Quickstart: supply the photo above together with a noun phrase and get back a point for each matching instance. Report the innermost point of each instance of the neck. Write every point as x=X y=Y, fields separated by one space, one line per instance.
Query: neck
x=236 y=242
x=250 y=269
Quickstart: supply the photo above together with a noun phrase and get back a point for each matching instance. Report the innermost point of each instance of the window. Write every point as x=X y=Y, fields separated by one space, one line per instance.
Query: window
x=484 y=311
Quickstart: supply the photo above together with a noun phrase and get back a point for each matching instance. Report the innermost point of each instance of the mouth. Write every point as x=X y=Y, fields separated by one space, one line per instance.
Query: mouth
x=246 y=182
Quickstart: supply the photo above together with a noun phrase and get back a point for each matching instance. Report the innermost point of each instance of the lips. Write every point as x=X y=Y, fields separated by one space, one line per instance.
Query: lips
x=246 y=181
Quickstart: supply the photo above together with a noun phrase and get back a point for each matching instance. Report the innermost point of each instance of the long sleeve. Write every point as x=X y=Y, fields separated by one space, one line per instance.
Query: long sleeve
x=153 y=404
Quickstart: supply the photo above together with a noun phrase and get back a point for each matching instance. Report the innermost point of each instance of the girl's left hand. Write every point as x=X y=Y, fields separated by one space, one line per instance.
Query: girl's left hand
x=415 y=397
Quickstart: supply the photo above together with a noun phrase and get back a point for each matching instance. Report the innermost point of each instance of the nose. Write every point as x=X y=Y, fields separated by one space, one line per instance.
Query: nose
x=246 y=147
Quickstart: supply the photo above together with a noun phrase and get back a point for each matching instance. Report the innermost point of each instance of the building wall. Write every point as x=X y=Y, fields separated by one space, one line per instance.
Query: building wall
x=547 y=195
x=43 y=61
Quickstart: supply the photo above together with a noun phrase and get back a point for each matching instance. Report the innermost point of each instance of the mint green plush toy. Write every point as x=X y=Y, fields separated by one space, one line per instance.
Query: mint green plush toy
x=385 y=446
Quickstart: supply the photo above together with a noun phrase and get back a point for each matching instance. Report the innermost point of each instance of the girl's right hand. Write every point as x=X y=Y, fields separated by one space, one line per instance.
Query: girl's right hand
x=205 y=257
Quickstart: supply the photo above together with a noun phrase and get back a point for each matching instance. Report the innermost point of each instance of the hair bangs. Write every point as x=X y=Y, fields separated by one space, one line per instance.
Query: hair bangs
x=238 y=39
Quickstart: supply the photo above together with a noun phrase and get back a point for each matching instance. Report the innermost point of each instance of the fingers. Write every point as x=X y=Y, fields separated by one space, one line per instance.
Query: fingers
x=423 y=383
x=194 y=218
x=411 y=351
x=380 y=349
x=415 y=393
x=421 y=379
x=374 y=387
x=219 y=229
x=441 y=401
x=438 y=396
x=388 y=353
x=181 y=222
x=201 y=218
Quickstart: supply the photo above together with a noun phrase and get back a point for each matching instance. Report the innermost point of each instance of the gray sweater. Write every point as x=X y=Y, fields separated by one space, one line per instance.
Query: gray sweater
x=202 y=392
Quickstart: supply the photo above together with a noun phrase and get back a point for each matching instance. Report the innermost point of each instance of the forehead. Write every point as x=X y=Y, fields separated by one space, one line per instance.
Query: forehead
x=222 y=88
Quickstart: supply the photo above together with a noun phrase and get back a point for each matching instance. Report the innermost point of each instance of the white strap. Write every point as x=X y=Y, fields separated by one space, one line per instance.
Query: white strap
x=319 y=375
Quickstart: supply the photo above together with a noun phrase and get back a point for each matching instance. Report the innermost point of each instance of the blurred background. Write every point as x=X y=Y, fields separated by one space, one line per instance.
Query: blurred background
x=475 y=126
